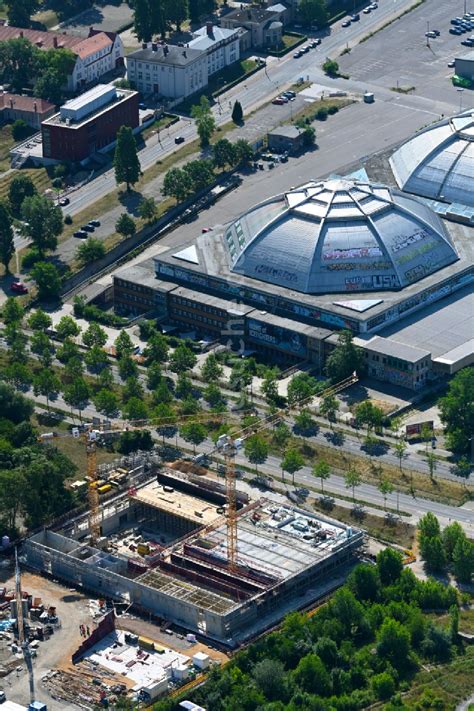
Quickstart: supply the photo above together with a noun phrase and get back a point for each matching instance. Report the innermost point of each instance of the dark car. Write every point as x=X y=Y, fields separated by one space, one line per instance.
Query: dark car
x=355 y=18
x=88 y=228
x=19 y=288
x=82 y=234
x=95 y=223
x=64 y=201
x=179 y=139
x=346 y=23
x=142 y=106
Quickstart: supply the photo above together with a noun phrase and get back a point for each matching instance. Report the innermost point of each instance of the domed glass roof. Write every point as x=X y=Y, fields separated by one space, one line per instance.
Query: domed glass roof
x=339 y=236
x=438 y=162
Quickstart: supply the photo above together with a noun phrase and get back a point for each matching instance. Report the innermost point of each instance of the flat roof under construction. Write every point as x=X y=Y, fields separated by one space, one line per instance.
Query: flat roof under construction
x=178 y=503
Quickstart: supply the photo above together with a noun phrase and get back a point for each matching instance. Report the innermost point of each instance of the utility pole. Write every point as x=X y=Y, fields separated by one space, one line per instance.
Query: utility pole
x=427 y=36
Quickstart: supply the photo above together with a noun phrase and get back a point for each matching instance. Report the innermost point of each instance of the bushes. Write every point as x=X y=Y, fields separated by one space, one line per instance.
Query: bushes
x=322 y=113
x=30 y=259
x=93 y=313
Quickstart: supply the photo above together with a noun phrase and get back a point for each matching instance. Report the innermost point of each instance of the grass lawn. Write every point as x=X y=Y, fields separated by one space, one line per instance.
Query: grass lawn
x=236 y=71
x=48 y=18
x=290 y=41
x=6 y=143
x=161 y=124
x=451 y=683
x=309 y=111
x=39 y=176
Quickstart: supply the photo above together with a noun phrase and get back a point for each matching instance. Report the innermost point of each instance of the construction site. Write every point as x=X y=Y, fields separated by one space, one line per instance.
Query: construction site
x=165 y=547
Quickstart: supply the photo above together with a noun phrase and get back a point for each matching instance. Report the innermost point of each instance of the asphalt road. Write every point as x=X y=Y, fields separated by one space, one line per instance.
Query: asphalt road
x=258 y=90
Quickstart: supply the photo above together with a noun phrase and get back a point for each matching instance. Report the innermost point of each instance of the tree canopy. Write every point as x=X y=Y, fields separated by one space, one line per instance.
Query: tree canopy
x=457 y=411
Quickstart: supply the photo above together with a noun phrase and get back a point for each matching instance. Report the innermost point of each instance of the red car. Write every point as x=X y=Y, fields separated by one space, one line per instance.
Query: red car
x=19 y=288
x=278 y=102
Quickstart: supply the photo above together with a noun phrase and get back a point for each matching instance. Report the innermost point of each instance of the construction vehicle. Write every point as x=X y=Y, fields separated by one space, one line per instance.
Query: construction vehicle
x=227 y=446
x=22 y=633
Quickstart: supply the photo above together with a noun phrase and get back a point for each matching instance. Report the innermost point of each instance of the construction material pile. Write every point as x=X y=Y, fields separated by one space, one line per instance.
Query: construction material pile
x=85 y=686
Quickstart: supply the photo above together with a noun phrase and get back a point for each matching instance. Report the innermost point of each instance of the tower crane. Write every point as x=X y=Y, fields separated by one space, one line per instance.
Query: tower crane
x=227 y=446
x=22 y=636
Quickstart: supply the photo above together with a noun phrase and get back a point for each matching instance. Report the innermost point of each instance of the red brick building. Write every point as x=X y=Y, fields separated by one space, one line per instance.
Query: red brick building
x=89 y=124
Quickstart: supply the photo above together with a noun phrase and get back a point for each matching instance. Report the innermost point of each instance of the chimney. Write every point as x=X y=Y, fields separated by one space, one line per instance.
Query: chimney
x=184 y=53
x=165 y=49
x=35 y=107
x=55 y=42
x=249 y=15
x=22 y=34
x=209 y=28
x=11 y=103
x=144 y=45
x=154 y=47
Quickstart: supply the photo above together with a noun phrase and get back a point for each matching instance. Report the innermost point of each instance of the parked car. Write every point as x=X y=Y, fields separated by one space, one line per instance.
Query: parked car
x=346 y=23
x=367 y=10
x=88 y=228
x=455 y=31
x=283 y=98
x=305 y=49
x=179 y=139
x=451 y=64
x=95 y=223
x=430 y=34
x=468 y=43
x=316 y=42
x=278 y=101
x=297 y=55
x=456 y=21
x=373 y=6
x=19 y=288
x=142 y=106
x=437 y=33
x=355 y=18
x=64 y=201
x=82 y=234
x=206 y=229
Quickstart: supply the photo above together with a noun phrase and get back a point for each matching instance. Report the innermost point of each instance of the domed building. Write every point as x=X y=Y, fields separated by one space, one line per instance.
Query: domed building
x=438 y=162
x=338 y=235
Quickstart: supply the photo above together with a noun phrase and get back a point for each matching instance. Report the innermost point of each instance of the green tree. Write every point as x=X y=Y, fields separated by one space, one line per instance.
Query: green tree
x=154 y=376
x=21 y=187
x=20 y=130
x=177 y=183
x=322 y=471
x=205 y=122
x=364 y=582
x=313 y=12
x=301 y=387
x=309 y=136
x=182 y=359
x=47 y=384
x=432 y=464
x=393 y=643
x=48 y=281
x=19 y=375
x=304 y=423
x=7 y=245
x=369 y=414
x=224 y=153
x=352 y=479
x=150 y=18
x=166 y=420
x=90 y=251
x=256 y=450
x=400 y=449
x=42 y=346
x=269 y=675
x=385 y=488
x=123 y=345
x=12 y=486
x=67 y=327
x=126 y=163
x=214 y=397
x=127 y=367
x=136 y=409
x=457 y=411
x=463 y=560
x=200 y=173
x=383 y=686
x=330 y=66
x=237 y=113
x=43 y=222
x=428 y=525
x=156 y=350
x=77 y=395
x=462 y=468
x=311 y=675
x=19 y=62
x=176 y=11
x=389 y=566
x=329 y=407
x=292 y=462
x=148 y=209
x=19 y=13
x=345 y=359
x=106 y=402
x=281 y=435
x=14 y=406
x=49 y=86
x=125 y=225
x=211 y=369
x=194 y=433
x=269 y=388
x=94 y=335
x=12 y=312
x=245 y=152
x=39 y=320
x=451 y=535
x=45 y=496
x=432 y=552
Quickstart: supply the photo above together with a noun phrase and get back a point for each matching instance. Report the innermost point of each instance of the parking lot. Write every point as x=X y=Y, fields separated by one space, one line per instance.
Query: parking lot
x=401 y=55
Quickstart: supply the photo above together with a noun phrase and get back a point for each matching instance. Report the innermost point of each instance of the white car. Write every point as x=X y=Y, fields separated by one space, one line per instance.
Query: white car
x=367 y=10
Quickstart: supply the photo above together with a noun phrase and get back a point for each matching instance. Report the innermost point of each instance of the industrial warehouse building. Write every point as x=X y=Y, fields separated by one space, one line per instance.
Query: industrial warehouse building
x=164 y=550
x=363 y=257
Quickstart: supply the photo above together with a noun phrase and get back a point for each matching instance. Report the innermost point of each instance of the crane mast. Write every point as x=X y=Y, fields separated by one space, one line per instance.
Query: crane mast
x=20 y=621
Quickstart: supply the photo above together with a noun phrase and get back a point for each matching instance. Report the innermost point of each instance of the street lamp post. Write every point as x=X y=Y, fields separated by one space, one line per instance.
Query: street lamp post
x=460 y=91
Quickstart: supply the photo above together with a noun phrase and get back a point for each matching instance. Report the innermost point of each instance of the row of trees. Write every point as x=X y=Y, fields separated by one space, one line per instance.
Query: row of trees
x=19 y=12
x=447 y=550
x=180 y=183
x=22 y=64
x=155 y=17
x=362 y=648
